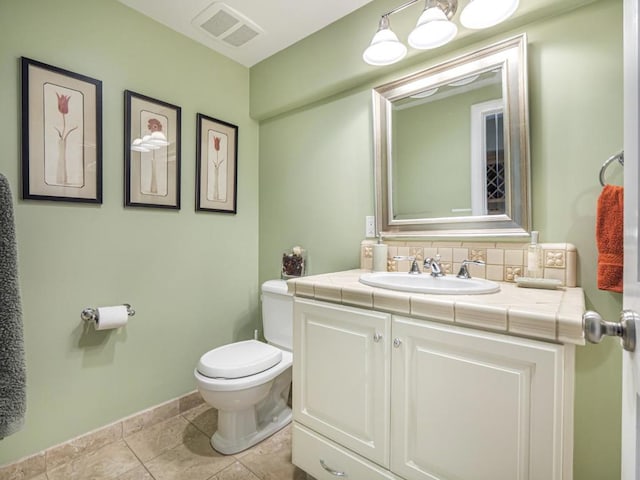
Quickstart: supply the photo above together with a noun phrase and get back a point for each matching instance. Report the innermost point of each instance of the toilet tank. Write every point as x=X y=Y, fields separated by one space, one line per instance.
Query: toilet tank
x=277 y=314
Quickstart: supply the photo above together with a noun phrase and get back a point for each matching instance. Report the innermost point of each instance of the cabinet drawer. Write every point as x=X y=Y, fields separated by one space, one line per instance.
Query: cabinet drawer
x=310 y=449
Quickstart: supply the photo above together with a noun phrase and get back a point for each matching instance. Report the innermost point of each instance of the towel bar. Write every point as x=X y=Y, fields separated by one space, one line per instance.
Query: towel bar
x=91 y=314
x=618 y=156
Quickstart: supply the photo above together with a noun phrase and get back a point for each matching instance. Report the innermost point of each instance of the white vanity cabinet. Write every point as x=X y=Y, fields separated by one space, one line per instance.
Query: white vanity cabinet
x=343 y=375
x=386 y=396
x=474 y=405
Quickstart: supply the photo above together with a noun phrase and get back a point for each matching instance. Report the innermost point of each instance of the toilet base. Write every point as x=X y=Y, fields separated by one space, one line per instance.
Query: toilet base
x=227 y=447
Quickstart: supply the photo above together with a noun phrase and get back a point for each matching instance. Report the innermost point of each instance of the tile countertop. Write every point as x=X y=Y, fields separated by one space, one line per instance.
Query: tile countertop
x=552 y=315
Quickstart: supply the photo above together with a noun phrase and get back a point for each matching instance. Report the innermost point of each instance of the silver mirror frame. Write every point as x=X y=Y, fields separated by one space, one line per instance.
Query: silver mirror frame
x=511 y=55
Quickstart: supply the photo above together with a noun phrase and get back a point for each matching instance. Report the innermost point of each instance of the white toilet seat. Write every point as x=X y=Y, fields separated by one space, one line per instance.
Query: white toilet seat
x=239 y=359
x=230 y=384
x=249 y=383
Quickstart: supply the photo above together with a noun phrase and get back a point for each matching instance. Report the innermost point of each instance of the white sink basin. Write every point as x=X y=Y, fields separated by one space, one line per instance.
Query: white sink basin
x=425 y=283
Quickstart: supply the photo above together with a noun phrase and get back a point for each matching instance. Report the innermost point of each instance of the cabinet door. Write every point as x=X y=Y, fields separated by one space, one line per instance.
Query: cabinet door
x=341 y=375
x=470 y=405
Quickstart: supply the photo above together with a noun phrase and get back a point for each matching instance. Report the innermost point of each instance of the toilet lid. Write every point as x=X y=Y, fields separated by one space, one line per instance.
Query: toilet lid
x=239 y=359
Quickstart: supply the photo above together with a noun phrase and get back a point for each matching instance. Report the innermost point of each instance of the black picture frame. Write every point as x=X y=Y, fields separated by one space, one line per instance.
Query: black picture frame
x=152 y=152
x=61 y=134
x=217 y=165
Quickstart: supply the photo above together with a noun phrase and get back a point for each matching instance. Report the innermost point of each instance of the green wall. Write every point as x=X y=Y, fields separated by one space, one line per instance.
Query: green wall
x=192 y=277
x=316 y=184
x=316 y=161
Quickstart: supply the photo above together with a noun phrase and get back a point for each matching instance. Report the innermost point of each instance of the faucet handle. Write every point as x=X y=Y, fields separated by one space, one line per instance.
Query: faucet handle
x=464 y=271
x=415 y=269
x=431 y=260
x=433 y=263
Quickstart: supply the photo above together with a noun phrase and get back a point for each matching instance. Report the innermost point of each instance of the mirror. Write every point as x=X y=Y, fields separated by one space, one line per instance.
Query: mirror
x=452 y=147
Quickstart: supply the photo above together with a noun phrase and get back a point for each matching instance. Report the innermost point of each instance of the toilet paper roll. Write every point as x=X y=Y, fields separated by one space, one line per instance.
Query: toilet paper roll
x=111 y=317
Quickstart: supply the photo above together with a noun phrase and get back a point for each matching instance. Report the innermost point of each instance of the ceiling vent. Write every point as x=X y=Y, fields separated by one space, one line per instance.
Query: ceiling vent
x=226 y=25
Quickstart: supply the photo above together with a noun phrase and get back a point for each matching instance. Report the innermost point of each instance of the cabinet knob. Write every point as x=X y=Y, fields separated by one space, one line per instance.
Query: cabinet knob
x=377 y=337
x=333 y=472
x=397 y=342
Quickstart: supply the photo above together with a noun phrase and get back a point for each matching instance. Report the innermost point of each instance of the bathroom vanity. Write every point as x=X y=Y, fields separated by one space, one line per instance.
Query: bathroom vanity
x=393 y=385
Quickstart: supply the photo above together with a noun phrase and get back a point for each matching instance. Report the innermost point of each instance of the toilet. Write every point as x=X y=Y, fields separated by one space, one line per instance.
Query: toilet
x=248 y=382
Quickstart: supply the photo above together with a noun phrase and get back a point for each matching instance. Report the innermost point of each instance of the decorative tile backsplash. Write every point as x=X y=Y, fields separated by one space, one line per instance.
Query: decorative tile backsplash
x=504 y=262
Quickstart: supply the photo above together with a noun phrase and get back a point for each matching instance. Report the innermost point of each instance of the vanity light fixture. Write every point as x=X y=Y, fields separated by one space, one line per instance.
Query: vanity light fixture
x=434 y=27
x=464 y=81
x=425 y=94
x=385 y=48
x=480 y=14
x=138 y=146
x=149 y=142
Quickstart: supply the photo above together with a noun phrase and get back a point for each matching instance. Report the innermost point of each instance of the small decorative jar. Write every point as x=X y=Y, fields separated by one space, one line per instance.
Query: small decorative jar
x=293 y=263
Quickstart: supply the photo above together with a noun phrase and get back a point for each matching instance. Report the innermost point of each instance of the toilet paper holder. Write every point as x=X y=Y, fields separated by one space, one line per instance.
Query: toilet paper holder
x=90 y=314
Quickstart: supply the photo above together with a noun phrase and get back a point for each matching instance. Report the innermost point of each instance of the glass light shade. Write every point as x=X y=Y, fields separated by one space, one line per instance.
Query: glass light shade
x=137 y=146
x=480 y=14
x=433 y=30
x=425 y=94
x=147 y=143
x=384 y=49
x=158 y=138
x=464 y=81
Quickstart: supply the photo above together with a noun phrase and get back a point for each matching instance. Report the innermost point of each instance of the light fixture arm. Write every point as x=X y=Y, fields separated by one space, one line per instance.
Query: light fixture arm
x=449 y=7
x=399 y=8
x=384 y=22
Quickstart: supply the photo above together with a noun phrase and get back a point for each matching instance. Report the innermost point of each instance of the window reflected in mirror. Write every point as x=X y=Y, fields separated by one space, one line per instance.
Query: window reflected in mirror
x=494 y=160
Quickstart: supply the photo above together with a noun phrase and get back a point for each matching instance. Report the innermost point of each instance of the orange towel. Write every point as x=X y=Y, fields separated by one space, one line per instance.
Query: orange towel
x=610 y=238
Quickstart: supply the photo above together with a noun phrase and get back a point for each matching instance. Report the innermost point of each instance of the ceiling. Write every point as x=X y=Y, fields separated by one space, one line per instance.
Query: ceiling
x=272 y=22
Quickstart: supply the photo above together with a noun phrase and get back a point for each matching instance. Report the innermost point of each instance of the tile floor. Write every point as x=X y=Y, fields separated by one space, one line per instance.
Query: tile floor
x=178 y=449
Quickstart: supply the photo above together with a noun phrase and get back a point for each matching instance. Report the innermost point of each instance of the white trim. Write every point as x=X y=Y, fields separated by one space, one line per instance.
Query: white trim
x=478 y=156
x=630 y=361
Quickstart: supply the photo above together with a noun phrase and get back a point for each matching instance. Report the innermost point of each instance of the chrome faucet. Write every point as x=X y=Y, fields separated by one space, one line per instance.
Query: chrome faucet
x=415 y=268
x=464 y=271
x=434 y=265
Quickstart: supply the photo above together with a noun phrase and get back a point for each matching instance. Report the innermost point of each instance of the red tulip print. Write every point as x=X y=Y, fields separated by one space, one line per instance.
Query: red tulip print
x=62 y=175
x=63 y=103
x=217 y=162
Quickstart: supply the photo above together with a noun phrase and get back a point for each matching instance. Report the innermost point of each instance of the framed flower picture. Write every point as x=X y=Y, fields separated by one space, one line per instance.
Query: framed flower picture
x=217 y=165
x=151 y=152
x=61 y=134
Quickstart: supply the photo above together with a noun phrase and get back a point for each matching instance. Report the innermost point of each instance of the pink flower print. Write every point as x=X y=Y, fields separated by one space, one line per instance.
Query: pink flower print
x=217 y=162
x=62 y=176
x=154 y=125
x=63 y=103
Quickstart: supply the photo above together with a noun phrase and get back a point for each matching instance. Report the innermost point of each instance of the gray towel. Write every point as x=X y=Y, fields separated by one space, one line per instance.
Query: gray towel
x=12 y=368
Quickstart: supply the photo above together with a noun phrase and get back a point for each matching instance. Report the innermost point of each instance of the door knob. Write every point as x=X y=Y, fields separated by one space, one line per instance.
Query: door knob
x=595 y=328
